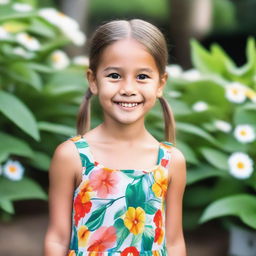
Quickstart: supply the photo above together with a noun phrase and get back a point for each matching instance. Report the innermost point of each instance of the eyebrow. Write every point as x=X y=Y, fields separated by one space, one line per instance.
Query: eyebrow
x=138 y=70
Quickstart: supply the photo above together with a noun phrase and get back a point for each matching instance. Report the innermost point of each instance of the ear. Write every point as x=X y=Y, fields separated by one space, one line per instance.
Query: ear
x=91 y=77
x=162 y=83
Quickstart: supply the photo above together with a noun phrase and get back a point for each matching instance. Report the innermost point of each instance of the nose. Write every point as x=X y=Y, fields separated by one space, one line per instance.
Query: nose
x=128 y=87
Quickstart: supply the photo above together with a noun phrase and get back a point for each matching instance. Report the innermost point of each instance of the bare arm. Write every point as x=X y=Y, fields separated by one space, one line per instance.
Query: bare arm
x=174 y=230
x=62 y=182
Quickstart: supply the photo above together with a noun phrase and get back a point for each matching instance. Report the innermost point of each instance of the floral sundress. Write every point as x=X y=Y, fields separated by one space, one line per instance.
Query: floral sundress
x=119 y=211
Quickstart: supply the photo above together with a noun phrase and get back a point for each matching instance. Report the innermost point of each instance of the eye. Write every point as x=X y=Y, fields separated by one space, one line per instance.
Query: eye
x=114 y=76
x=142 y=76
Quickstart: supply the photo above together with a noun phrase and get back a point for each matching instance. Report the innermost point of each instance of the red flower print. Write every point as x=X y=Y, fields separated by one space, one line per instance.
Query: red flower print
x=164 y=162
x=104 y=181
x=81 y=208
x=158 y=219
x=159 y=235
x=131 y=251
x=102 y=239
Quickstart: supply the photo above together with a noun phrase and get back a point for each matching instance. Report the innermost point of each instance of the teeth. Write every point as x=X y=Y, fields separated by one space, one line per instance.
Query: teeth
x=128 y=105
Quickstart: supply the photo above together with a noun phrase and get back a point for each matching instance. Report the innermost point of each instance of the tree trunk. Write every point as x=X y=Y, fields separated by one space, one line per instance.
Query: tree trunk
x=188 y=18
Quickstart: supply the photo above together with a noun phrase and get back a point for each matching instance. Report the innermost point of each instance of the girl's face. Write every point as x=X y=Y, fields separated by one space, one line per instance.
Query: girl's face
x=127 y=81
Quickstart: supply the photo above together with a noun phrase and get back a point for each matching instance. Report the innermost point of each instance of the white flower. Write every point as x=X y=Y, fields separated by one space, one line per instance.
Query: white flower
x=13 y=170
x=28 y=41
x=81 y=61
x=222 y=126
x=68 y=26
x=59 y=59
x=244 y=133
x=174 y=71
x=174 y=94
x=200 y=106
x=22 y=52
x=235 y=92
x=76 y=36
x=20 y=7
x=240 y=165
x=192 y=75
x=4 y=34
x=2 y=2
x=250 y=94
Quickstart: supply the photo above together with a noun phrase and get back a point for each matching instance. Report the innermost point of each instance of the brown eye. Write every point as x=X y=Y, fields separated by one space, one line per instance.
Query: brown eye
x=114 y=76
x=142 y=76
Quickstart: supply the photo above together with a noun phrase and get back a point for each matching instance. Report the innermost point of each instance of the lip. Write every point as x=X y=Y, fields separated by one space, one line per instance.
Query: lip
x=127 y=108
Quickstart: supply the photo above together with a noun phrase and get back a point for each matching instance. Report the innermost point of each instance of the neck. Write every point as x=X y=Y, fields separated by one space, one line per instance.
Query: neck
x=126 y=133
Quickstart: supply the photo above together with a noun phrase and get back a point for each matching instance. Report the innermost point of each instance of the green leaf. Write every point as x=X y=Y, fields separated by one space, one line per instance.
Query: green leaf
x=241 y=205
x=119 y=213
x=22 y=72
x=148 y=238
x=18 y=113
x=13 y=145
x=96 y=218
x=122 y=232
x=188 y=152
x=7 y=206
x=194 y=130
x=202 y=59
x=215 y=157
x=56 y=128
x=203 y=172
x=20 y=190
x=41 y=28
x=40 y=161
x=149 y=207
x=135 y=195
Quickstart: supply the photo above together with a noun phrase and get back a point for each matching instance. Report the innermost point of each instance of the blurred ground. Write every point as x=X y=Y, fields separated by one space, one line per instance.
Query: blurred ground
x=24 y=235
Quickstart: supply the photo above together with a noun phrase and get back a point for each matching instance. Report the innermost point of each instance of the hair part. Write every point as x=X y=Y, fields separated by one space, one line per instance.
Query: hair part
x=149 y=36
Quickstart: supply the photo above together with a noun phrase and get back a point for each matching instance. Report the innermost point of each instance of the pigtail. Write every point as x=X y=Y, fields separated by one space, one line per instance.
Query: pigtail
x=83 y=123
x=169 y=121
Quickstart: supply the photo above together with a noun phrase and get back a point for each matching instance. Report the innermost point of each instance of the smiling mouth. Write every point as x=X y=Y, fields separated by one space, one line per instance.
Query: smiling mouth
x=128 y=104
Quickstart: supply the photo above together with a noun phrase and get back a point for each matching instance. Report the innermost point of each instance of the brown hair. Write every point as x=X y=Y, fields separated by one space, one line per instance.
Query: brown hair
x=146 y=34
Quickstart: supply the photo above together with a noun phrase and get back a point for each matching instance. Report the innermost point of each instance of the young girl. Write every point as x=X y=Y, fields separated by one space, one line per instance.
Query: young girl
x=115 y=190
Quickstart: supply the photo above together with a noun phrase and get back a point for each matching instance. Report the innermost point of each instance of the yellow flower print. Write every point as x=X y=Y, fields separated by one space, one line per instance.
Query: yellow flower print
x=85 y=192
x=83 y=234
x=134 y=220
x=160 y=185
x=76 y=138
x=71 y=253
x=156 y=253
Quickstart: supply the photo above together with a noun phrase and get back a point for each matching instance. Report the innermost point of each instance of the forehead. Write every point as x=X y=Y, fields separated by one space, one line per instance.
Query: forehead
x=127 y=53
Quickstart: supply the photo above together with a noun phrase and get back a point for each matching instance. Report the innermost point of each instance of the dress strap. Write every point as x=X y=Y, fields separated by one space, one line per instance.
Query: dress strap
x=84 y=153
x=164 y=156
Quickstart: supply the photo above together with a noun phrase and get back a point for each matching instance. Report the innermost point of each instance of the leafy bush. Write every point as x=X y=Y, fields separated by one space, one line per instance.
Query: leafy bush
x=40 y=92
x=215 y=108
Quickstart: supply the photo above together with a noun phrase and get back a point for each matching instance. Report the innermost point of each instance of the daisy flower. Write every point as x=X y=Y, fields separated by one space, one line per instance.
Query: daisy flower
x=244 y=133
x=13 y=170
x=81 y=61
x=222 y=126
x=4 y=34
x=174 y=71
x=22 y=52
x=240 y=165
x=3 y=2
x=28 y=41
x=59 y=59
x=250 y=94
x=192 y=75
x=200 y=106
x=68 y=26
x=235 y=92
x=21 y=7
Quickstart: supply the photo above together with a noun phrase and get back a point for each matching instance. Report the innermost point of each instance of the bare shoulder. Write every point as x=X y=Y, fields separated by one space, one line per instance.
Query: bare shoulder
x=177 y=163
x=66 y=157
